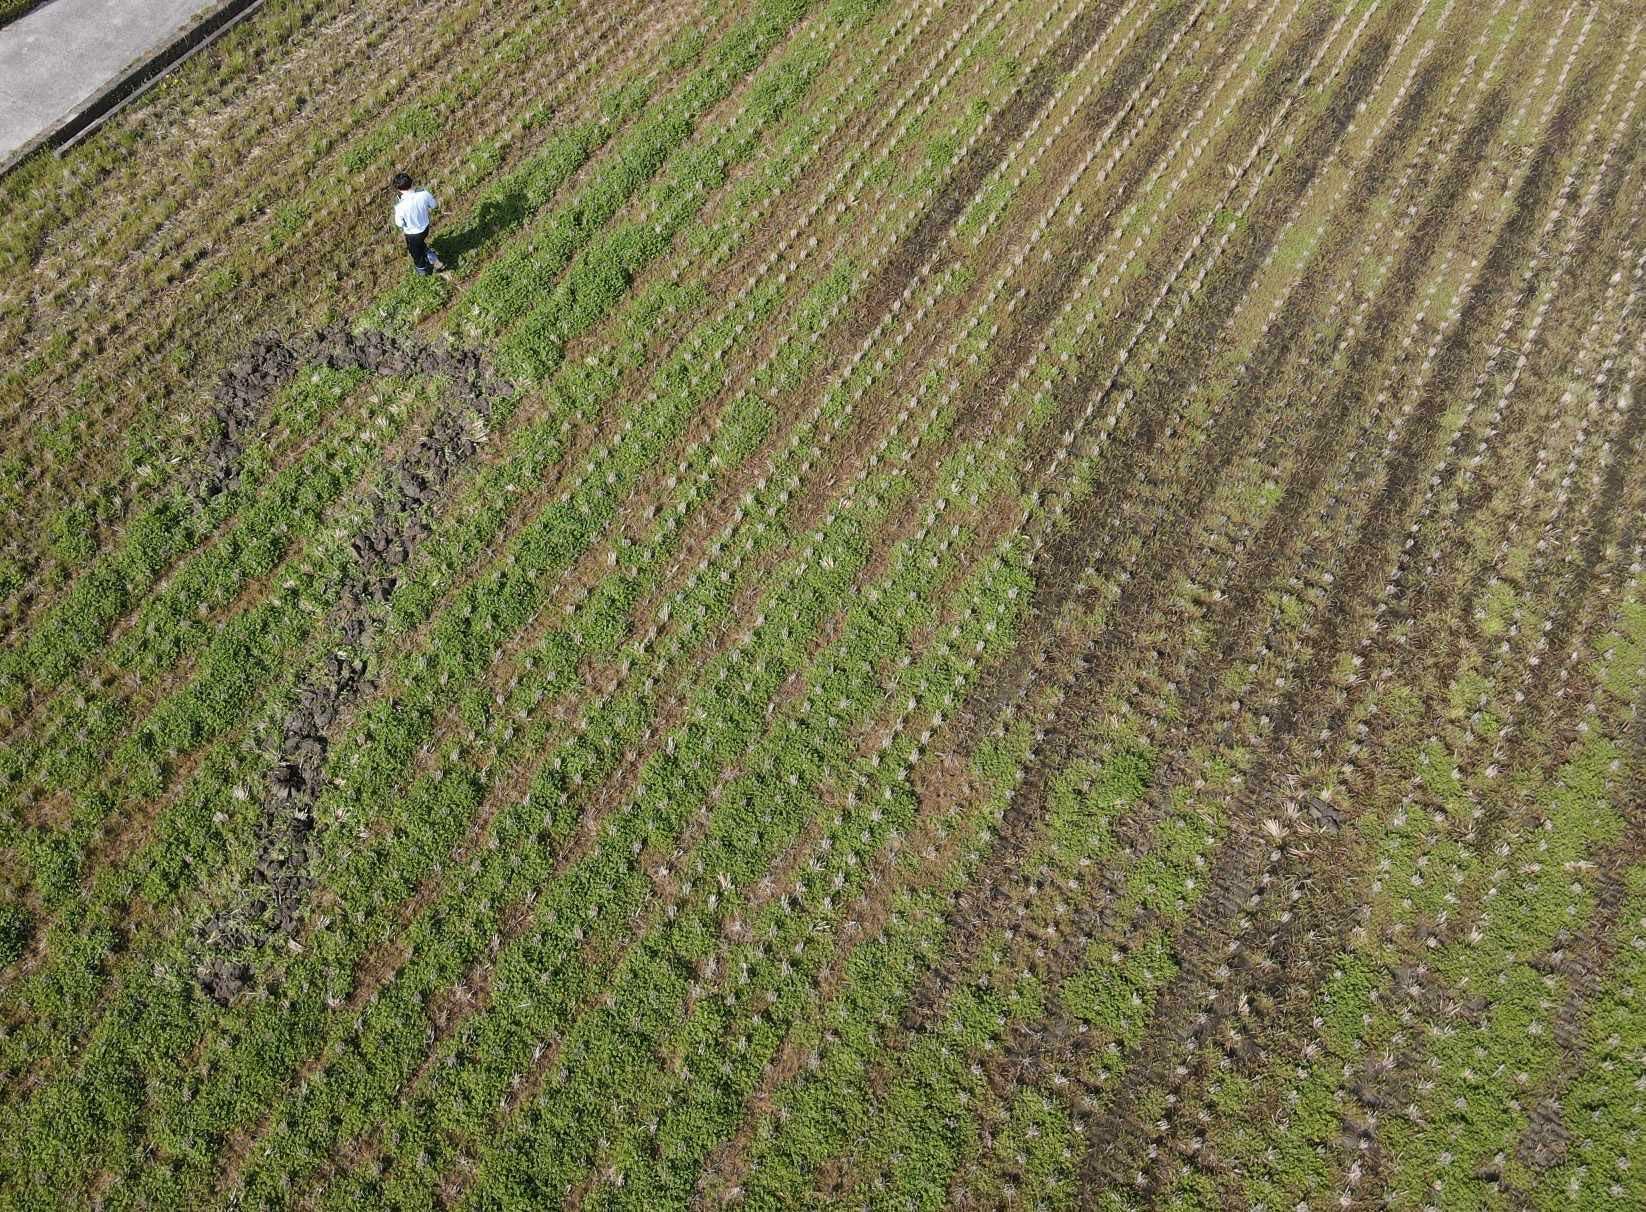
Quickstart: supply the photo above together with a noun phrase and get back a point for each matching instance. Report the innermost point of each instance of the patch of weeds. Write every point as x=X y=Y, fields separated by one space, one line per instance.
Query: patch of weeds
x=288 y=221
x=70 y=534
x=16 y=927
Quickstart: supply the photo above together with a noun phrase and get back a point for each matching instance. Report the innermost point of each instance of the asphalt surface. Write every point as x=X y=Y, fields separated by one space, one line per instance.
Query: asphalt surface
x=57 y=57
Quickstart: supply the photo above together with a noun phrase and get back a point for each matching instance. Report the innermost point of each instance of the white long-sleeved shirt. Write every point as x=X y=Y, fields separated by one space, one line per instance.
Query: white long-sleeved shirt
x=411 y=213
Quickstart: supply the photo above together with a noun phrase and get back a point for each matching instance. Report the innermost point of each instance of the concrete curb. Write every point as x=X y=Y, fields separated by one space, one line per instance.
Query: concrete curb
x=133 y=81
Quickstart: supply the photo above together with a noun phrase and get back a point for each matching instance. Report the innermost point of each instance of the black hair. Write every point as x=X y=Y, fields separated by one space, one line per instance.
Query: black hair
x=402 y=181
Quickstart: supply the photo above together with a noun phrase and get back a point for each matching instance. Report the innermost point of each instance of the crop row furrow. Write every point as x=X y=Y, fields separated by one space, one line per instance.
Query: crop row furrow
x=959 y=605
x=1024 y=684
x=1584 y=955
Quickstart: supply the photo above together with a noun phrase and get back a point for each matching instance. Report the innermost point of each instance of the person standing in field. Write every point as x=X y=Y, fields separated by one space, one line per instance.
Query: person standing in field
x=412 y=215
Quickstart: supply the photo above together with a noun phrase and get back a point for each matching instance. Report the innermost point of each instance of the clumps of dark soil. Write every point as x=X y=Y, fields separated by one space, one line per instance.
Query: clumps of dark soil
x=1546 y=1140
x=242 y=394
x=270 y=906
x=240 y=399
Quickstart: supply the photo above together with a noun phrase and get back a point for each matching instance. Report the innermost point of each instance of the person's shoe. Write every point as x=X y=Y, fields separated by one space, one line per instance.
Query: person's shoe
x=436 y=264
x=423 y=271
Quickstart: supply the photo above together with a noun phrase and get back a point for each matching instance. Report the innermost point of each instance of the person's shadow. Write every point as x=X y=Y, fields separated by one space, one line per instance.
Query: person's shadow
x=496 y=215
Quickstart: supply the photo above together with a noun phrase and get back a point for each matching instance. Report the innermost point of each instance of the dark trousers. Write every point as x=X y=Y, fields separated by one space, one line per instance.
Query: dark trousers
x=419 y=251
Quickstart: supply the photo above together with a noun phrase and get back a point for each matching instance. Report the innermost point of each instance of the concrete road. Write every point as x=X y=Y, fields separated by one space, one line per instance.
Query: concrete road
x=55 y=58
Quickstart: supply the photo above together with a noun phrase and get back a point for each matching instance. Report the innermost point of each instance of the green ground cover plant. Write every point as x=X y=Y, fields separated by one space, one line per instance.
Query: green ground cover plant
x=955 y=603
